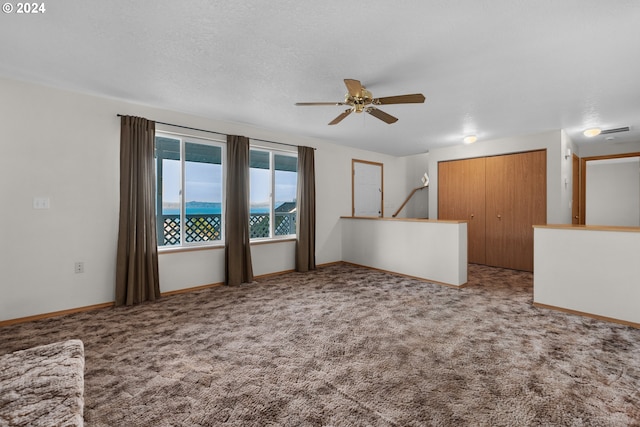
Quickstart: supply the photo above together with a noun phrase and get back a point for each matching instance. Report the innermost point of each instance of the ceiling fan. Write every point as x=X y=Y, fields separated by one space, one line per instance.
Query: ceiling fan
x=359 y=99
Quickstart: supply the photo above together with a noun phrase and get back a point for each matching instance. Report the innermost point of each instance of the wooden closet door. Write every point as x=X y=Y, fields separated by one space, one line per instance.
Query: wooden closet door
x=515 y=200
x=461 y=196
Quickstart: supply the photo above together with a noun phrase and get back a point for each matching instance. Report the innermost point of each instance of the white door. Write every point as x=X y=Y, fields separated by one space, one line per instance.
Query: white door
x=367 y=189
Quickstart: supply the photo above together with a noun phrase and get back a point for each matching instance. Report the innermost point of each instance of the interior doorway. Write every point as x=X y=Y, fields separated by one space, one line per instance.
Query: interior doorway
x=367 y=188
x=610 y=190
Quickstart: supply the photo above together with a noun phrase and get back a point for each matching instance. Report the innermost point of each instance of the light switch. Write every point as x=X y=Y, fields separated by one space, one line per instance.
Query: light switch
x=40 y=203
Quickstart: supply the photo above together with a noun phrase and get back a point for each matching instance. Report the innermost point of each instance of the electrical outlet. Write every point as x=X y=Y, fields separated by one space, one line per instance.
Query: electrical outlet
x=79 y=267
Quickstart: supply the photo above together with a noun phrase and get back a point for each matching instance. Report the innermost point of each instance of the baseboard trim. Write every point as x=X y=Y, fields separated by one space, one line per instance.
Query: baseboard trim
x=277 y=273
x=111 y=304
x=590 y=315
x=193 y=289
x=422 y=279
x=198 y=288
x=55 y=314
x=329 y=264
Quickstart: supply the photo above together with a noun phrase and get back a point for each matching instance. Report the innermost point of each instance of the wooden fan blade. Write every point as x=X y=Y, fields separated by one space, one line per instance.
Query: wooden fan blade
x=319 y=103
x=415 y=98
x=353 y=87
x=379 y=114
x=340 y=117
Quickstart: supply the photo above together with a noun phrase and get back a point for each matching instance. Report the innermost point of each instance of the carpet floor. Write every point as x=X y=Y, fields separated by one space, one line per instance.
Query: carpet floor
x=350 y=346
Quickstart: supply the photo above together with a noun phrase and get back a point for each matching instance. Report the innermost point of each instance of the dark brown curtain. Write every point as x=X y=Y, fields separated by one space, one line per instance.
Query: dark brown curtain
x=137 y=256
x=306 y=221
x=238 y=268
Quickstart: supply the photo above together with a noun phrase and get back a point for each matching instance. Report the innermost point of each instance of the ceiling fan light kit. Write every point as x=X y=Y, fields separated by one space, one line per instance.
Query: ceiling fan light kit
x=359 y=100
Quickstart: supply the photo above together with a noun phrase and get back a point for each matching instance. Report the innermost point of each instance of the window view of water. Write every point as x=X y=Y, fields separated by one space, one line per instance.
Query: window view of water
x=199 y=208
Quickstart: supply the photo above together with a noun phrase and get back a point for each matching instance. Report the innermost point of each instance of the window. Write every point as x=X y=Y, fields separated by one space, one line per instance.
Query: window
x=273 y=187
x=189 y=190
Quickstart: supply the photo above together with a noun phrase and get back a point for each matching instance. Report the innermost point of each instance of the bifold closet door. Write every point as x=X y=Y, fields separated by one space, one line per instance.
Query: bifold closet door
x=461 y=196
x=516 y=200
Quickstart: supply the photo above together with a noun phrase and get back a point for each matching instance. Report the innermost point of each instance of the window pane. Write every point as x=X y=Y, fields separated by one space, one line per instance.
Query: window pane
x=259 y=159
x=168 y=191
x=260 y=194
x=203 y=193
x=286 y=180
x=285 y=163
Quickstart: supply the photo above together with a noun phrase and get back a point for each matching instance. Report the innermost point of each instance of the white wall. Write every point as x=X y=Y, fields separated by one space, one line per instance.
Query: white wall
x=613 y=192
x=418 y=205
x=406 y=247
x=565 y=184
x=555 y=142
x=65 y=146
x=589 y=270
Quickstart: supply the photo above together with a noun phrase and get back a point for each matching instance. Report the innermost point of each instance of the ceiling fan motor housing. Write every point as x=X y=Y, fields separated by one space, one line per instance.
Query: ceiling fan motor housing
x=359 y=102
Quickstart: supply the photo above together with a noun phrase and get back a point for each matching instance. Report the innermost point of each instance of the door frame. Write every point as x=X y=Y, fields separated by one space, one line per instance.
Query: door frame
x=575 y=190
x=583 y=178
x=353 y=184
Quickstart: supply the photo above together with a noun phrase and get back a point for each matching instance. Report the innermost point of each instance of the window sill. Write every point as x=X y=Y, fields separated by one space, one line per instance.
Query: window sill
x=266 y=241
x=172 y=249
x=254 y=242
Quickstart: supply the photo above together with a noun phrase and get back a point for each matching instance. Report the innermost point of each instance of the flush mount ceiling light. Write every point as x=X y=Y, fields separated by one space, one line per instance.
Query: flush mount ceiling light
x=592 y=132
x=470 y=139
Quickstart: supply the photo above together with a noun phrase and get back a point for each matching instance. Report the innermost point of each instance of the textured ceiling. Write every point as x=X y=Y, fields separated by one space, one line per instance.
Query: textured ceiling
x=495 y=68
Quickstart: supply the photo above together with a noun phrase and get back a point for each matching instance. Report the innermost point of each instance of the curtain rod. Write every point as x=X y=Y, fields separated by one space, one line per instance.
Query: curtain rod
x=219 y=133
